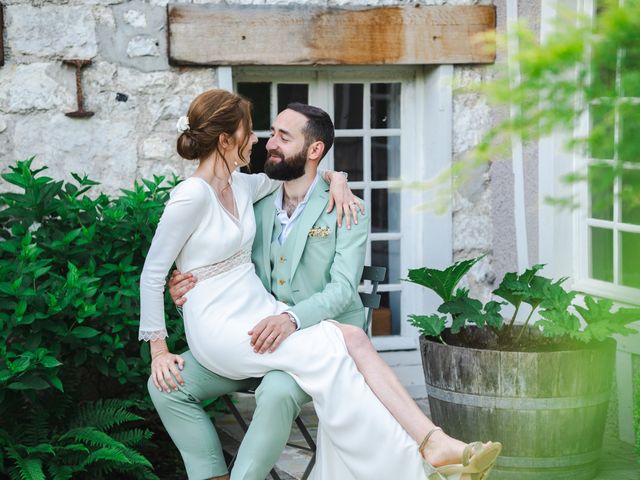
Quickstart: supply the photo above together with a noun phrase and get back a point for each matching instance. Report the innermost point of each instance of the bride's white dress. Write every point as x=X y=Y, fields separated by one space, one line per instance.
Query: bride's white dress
x=358 y=438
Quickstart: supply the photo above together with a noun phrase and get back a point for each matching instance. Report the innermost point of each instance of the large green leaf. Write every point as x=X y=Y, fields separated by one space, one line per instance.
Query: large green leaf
x=442 y=282
x=527 y=287
x=428 y=325
x=602 y=321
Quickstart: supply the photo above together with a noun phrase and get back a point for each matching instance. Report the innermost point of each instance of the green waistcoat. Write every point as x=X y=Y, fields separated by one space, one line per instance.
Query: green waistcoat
x=324 y=263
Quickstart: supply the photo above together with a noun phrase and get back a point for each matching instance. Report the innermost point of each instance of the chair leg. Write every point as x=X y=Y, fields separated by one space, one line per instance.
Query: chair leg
x=229 y=403
x=305 y=433
x=307 y=471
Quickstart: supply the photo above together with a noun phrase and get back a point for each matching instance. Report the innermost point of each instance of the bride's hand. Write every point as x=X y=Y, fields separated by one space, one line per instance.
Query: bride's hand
x=342 y=197
x=165 y=369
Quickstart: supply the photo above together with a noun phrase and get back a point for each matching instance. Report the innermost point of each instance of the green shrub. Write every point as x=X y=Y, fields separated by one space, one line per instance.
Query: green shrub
x=70 y=261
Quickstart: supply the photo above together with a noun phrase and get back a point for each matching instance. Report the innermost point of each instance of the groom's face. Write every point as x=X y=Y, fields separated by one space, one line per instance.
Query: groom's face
x=287 y=147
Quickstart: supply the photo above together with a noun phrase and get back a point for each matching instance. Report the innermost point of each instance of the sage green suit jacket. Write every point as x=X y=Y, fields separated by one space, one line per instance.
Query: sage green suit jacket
x=325 y=270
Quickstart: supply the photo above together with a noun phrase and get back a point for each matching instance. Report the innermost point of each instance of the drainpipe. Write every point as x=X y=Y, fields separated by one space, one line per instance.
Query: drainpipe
x=522 y=248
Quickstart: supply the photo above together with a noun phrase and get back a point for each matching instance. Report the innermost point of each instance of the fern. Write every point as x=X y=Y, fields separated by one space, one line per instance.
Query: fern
x=132 y=437
x=109 y=454
x=86 y=449
x=92 y=437
x=105 y=414
x=25 y=468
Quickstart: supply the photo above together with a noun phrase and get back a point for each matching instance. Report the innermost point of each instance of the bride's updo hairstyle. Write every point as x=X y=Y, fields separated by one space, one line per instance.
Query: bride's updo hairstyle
x=211 y=114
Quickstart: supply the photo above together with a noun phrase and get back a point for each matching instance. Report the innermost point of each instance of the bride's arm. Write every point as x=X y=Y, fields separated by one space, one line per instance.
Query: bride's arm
x=340 y=194
x=342 y=197
x=180 y=218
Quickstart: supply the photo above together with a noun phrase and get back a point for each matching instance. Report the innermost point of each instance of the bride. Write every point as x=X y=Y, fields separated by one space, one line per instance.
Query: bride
x=369 y=428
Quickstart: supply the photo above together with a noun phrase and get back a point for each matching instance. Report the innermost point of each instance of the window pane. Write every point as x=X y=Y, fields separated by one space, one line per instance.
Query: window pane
x=630 y=196
x=385 y=105
x=630 y=261
x=629 y=147
x=386 y=319
x=630 y=71
x=292 y=92
x=602 y=254
x=385 y=158
x=386 y=253
x=602 y=128
x=603 y=70
x=348 y=156
x=360 y=194
x=385 y=210
x=601 y=179
x=258 y=156
x=260 y=96
x=348 y=100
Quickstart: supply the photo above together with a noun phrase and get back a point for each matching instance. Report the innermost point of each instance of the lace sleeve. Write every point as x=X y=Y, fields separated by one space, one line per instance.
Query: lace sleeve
x=152 y=335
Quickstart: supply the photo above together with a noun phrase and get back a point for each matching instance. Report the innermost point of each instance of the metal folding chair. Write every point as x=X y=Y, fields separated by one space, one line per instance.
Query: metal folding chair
x=371 y=301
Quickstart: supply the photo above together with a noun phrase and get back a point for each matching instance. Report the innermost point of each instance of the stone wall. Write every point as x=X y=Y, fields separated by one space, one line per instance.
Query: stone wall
x=137 y=97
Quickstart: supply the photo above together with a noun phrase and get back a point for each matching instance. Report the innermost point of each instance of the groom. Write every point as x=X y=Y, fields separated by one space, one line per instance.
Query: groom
x=308 y=262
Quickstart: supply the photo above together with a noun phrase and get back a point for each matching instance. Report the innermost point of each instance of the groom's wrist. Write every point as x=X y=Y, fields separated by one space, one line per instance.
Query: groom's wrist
x=294 y=319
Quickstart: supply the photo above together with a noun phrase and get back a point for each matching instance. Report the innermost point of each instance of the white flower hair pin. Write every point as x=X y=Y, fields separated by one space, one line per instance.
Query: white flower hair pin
x=183 y=124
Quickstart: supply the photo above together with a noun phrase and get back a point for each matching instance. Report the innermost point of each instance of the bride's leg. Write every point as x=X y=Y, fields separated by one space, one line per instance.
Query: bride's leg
x=440 y=449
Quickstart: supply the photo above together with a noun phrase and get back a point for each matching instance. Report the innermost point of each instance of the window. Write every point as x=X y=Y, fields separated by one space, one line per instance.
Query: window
x=609 y=227
x=368 y=144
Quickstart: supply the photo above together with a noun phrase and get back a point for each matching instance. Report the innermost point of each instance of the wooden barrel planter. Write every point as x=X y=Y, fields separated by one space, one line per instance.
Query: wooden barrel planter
x=547 y=408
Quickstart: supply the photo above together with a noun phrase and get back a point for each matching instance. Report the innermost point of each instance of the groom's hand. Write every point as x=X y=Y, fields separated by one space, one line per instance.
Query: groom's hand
x=179 y=285
x=270 y=332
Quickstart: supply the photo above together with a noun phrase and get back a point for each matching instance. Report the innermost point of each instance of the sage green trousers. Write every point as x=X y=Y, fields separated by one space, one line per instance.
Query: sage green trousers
x=278 y=402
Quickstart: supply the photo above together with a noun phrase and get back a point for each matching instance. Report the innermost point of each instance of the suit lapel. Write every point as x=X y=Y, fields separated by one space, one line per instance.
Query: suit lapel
x=268 y=216
x=312 y=211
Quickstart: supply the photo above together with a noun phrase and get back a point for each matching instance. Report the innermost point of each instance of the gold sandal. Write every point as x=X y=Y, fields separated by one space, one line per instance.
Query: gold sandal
x=477 y=461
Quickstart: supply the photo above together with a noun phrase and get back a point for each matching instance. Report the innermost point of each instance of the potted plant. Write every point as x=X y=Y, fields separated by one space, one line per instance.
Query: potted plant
x=541 y=388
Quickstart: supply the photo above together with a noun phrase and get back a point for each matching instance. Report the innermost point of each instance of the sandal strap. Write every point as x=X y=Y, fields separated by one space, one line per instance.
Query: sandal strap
x=427 y=437
x=469 y=451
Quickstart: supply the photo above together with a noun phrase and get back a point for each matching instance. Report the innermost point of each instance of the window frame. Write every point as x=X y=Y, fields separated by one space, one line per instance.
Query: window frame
x=565 y=242
x=562 y=233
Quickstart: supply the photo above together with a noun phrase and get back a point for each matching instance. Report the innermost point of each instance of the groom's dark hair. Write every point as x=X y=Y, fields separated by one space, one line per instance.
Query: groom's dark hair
x=319 y=126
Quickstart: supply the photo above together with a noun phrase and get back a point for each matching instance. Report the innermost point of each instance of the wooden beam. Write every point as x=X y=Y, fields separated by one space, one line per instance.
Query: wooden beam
x=298 y=35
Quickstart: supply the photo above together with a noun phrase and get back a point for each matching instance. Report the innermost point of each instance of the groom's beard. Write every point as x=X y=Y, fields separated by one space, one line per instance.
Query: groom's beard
x=288 y=168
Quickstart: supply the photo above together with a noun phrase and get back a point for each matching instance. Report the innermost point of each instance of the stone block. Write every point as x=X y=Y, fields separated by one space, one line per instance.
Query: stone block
x=135 y=18
x=31 y=87
x=194 y=81
x=471 y=120
x=143 y=46
x=138 y=38
x=135 y=82
x=160 y=147
x=59 y=31
x=103 y=148
x=168 y=108
x=472 y=224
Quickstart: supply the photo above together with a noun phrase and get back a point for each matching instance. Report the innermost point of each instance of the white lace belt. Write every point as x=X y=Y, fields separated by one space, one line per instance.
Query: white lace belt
x=202 y=273
x=209 y=271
